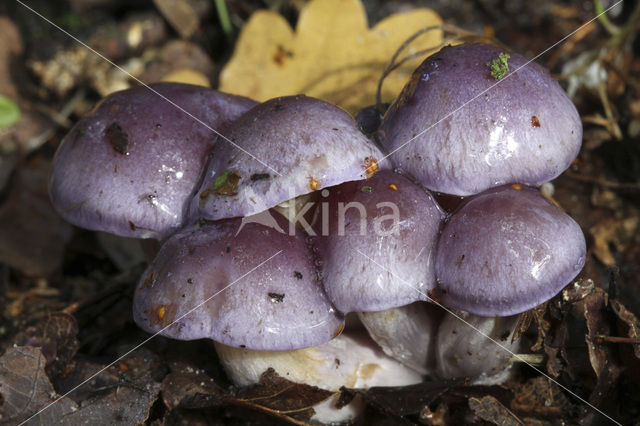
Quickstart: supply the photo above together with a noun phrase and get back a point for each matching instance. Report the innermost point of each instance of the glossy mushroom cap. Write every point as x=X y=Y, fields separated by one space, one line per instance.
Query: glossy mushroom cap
x=459 y=130
x=252 y=302
x=368 y=228
x=303 y=144
x=505 y=251
x=131 y=165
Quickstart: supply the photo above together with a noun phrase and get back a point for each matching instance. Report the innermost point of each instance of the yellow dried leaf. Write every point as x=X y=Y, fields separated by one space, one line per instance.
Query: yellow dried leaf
x=187 y=75
x=332 y=55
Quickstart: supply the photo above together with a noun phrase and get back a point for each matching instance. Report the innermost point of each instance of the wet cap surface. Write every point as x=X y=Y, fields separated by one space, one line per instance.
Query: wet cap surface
x=523 y=130
x=310 y=143
x=505 y=251
x=398 y=234
x=130 y=166
x=281 y=305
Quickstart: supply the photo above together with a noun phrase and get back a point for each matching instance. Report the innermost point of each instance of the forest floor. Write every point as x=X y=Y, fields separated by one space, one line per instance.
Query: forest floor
x=65 y=293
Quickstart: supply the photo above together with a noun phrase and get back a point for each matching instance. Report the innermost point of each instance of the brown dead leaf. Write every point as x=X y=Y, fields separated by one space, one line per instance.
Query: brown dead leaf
x=527 y=318
x=278 y=396
x=25 y=388
x=540 y=397
x=594 y=314
x=612 y=232
x=56 y=336
x=630 y=320
x=490 y=409
x=120 y=395
x=181 y=14
x=125 y=405
x=397 y=402
x=33 y=236
x=190 y=387
x=11 y=46
x=332 y=54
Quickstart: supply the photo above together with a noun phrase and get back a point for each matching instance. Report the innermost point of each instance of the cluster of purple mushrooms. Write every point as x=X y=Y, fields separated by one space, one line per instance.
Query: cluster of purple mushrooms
x=295 y=217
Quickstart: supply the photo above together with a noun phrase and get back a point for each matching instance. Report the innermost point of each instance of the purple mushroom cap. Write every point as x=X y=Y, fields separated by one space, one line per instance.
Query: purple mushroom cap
x=275 y=304
x=377 y=243
x=505 y=251
x=131 y=165
x=459 y=130
x=297 y=144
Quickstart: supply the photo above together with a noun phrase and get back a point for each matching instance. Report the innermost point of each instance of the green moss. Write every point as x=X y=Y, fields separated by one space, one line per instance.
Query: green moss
x=499 y=66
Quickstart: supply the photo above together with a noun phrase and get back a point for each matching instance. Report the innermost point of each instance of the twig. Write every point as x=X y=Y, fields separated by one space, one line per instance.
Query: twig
x=614 y=128
x=600 y=338
x=459 y=35
x=611 y=28
x=604 y=183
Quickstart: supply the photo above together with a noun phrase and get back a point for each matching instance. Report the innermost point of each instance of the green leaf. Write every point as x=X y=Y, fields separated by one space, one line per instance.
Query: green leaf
x=9 y=113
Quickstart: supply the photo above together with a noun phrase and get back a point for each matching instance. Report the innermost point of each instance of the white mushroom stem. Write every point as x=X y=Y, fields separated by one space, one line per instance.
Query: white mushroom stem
x=406 y=333
x=431 y=341
x=463 y=351
x=351 y=359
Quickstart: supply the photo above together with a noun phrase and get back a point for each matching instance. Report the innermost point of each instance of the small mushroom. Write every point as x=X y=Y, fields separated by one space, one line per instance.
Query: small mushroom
x=250 y=287
x=505 y=251
x=377 y=242
x=290 y=146
x=473 y=117
x=131 y=165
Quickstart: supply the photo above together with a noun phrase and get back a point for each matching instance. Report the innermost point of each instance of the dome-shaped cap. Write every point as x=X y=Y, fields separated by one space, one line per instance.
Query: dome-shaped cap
x=377 y=243
x=505 y=251
x=488 y=130
x=302 y=144
x=130 y=166
x=274 y=305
